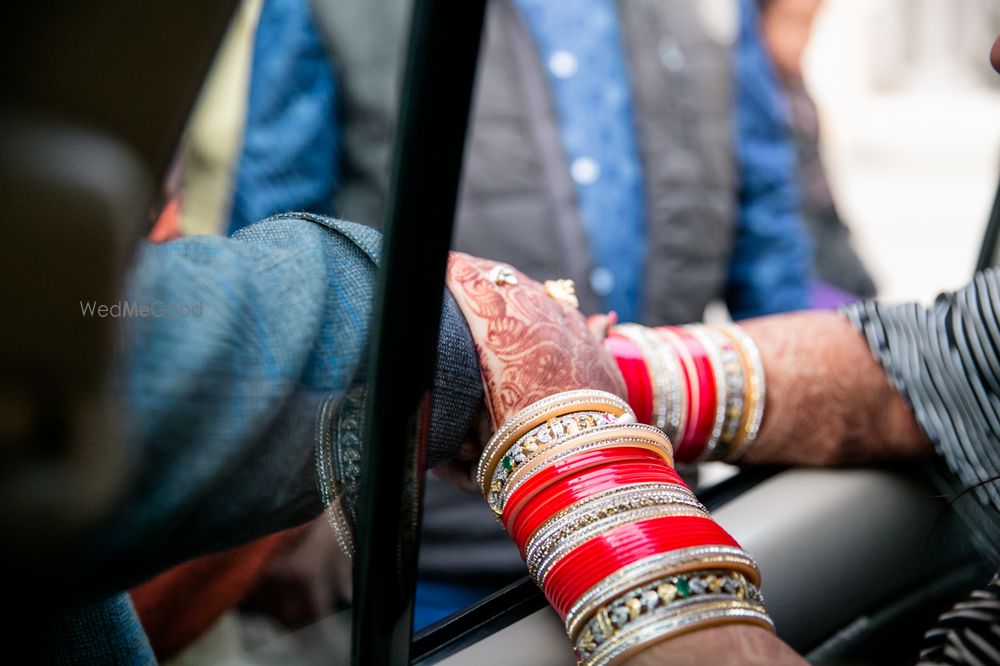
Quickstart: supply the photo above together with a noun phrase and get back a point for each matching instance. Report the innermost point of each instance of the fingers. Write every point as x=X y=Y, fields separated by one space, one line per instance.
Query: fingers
x=600 y=324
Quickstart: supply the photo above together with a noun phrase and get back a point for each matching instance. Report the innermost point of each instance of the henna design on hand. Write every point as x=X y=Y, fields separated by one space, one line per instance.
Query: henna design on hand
x=529 y=345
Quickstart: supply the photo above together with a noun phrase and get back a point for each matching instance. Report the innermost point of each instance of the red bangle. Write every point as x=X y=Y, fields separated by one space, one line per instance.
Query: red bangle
x=700 y=431
x=567 y=492
x=633 y=367
x=601 y=556
x=573 y=465
x=586 y=566
x=564 y=493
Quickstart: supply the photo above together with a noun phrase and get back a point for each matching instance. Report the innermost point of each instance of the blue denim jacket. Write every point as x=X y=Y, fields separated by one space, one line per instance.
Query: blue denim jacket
x=771 y=266
x=221 y=410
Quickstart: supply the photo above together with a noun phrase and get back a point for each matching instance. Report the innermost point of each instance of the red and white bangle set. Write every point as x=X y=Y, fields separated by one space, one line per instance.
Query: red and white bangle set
x=704 y=385
x=621 y=547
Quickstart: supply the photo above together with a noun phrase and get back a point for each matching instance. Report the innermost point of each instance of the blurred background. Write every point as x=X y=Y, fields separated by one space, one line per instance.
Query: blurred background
x=909 y=109
x=907 y=105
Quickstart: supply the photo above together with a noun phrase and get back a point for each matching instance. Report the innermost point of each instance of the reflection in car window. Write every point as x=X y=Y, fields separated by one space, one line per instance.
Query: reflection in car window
x=678 y=162
x=575 y=122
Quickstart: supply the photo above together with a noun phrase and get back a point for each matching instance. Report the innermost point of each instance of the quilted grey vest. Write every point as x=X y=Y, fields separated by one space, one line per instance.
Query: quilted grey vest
x=517 y=200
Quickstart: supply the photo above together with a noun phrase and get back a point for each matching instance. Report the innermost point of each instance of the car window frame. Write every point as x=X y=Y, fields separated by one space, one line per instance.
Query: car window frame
x=440 y=65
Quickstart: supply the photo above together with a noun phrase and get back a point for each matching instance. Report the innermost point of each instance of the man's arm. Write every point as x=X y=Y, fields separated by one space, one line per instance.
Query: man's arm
x=729 y=645
x=828 y=401
x=222 y=406
x=771 y=261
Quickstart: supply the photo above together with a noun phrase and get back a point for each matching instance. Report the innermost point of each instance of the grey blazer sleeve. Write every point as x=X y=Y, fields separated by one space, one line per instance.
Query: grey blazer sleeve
x=223 y=389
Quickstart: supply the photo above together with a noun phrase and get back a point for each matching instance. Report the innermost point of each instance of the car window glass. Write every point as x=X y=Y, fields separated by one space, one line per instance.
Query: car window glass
x=561 y=164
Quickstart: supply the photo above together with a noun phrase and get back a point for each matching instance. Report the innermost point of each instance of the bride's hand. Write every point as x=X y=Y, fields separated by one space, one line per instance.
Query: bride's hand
x=530 y=344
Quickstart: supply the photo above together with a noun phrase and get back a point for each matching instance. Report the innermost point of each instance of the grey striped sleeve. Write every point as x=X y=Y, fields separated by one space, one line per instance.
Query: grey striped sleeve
x=967 y=634
x=945 y=361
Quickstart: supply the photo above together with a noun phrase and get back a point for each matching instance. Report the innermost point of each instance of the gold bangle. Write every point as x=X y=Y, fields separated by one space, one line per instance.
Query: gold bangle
x=543 y=436
x=754 y=387
x=674 y=626
x=658 y=566
x=636 y=435
x=668 y=592
x=537 y=413
x=644 y=617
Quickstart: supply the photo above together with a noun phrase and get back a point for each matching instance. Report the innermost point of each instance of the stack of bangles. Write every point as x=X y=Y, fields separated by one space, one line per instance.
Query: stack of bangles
x=702 y=385
x=621 y=547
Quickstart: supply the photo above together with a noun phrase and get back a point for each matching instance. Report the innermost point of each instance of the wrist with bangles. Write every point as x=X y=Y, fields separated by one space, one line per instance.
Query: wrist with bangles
x=619 y=544
x=703 y=385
